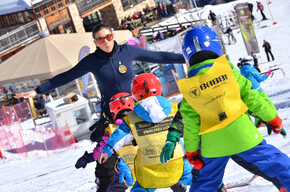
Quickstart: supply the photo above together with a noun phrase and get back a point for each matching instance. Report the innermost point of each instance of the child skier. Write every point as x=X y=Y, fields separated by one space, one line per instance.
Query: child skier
x=120 y=105
x=214 y=109
x=248 y=71
x=148 y=124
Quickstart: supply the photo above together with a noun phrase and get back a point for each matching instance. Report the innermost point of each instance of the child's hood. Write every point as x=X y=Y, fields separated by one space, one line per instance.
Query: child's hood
x=153 y=109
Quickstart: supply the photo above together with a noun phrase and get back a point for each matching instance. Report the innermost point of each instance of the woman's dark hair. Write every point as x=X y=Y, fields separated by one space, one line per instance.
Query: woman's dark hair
x=98 y=27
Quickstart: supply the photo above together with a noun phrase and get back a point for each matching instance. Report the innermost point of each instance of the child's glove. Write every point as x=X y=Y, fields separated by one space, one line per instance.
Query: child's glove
x=168 y=149
x=125 y=173
x=99 y=127
x=84 y=160
x=277 y=124
x=269 y=73
x=194 y=160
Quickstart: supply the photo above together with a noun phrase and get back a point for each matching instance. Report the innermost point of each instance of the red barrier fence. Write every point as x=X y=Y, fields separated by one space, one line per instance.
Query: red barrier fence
x=33 y=142
x=37 y=142
x=23 y=111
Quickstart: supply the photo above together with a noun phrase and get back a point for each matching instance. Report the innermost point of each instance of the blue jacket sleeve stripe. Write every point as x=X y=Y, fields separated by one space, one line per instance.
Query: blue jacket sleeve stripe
x=120 y=137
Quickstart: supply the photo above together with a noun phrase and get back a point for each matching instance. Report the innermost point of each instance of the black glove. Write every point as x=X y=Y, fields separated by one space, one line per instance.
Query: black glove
x=84 y=160
x=99 y=127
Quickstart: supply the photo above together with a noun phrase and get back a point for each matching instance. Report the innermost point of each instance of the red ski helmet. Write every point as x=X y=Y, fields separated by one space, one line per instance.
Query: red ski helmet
x=119 y=102
x=145 y=85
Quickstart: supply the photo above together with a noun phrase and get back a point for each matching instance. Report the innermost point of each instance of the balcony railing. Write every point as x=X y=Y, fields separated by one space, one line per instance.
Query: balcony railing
x=87 y=5
x=18 y=36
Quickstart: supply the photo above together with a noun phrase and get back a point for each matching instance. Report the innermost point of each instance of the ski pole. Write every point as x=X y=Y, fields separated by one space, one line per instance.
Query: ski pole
x=275 y=70
x=274 y=22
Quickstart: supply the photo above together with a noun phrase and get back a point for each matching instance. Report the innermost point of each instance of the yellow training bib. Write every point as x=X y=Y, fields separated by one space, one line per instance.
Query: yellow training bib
x=214 y=95
x=151 y=137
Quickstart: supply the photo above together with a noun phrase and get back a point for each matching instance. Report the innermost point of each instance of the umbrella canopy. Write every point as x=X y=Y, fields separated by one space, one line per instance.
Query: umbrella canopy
x=49 y=56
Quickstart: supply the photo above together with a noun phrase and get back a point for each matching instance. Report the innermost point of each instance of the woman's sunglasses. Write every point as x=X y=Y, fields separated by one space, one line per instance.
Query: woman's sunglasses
x=101 y=40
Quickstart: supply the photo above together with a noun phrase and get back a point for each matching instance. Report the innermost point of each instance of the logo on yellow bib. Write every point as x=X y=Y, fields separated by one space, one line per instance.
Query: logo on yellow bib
x=194 y=92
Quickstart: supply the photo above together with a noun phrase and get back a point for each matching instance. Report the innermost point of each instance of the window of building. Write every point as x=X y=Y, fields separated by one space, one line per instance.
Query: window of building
x=2 y=22
x=67 y=28
x=28 y=16
x=59 y=3
x=11 y=20
x=125 y=4
x=44 y=9
x=37 y=12
x=130 y=3
x=20 y=18
x=52 y=5
x=92 y=20
x=67 y=1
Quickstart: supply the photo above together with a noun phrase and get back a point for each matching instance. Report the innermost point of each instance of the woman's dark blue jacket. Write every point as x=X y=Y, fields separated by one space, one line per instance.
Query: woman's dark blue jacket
x=105 y=69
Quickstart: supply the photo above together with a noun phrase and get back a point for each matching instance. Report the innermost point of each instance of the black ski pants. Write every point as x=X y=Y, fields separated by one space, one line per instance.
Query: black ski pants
x=105 y=176
x=269 y=52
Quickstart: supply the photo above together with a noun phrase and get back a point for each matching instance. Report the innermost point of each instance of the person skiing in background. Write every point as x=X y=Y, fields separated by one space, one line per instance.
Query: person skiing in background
x=254 y=56
x=120 y=105
x=268 y=50
x=212 y=17
x=230 y=34
x=261 y=8
x=248 y=71
x=215 y=104
x=113 y=69
x=148 y=124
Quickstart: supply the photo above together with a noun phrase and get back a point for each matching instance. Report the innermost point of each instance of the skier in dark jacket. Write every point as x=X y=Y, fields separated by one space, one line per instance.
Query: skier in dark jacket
x=268 y=50
x=113 y=69
x=212 y=17
x=230 y=34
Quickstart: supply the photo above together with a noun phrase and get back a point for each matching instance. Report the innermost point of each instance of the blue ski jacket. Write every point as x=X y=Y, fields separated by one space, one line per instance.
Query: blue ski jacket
x=106 y=71
x=254 y=76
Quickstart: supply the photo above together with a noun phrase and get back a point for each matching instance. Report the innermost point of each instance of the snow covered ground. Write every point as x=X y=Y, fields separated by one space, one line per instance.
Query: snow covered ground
x=57 y=172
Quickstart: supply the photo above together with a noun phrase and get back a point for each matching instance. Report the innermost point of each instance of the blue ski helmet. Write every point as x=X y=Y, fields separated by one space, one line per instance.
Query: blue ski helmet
x=200 y=39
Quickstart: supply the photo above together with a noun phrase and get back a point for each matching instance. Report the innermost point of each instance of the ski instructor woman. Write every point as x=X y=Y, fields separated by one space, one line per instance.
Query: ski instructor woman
x=112 y=66
x=113 y=69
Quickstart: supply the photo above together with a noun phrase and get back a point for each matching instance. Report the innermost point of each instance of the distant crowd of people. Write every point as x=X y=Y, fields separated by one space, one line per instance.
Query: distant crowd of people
x=159 y=11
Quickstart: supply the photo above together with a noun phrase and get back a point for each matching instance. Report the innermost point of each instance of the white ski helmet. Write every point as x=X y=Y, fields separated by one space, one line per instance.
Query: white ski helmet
x=248 y=60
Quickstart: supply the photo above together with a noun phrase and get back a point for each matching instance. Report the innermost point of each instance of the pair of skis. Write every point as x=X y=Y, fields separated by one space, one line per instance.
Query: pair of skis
x=241 y=183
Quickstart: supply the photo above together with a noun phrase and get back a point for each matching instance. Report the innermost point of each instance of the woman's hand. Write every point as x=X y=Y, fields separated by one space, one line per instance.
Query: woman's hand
x=26 y=94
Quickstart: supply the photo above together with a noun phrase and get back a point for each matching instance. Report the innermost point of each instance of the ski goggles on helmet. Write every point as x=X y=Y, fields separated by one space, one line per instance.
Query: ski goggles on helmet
x=101 y=40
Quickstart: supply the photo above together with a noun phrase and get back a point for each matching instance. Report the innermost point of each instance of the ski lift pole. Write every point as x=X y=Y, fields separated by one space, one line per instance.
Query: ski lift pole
x=274 y=22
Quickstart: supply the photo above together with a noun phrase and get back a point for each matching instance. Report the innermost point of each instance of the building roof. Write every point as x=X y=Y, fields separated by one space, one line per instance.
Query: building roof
x=50 y=56
x=13 y=6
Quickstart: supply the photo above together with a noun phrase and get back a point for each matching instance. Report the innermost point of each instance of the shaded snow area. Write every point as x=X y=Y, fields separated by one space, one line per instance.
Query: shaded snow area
x=57 y=172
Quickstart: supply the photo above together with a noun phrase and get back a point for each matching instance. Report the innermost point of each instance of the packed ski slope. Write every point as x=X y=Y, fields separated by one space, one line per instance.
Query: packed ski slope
x=57 y=172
